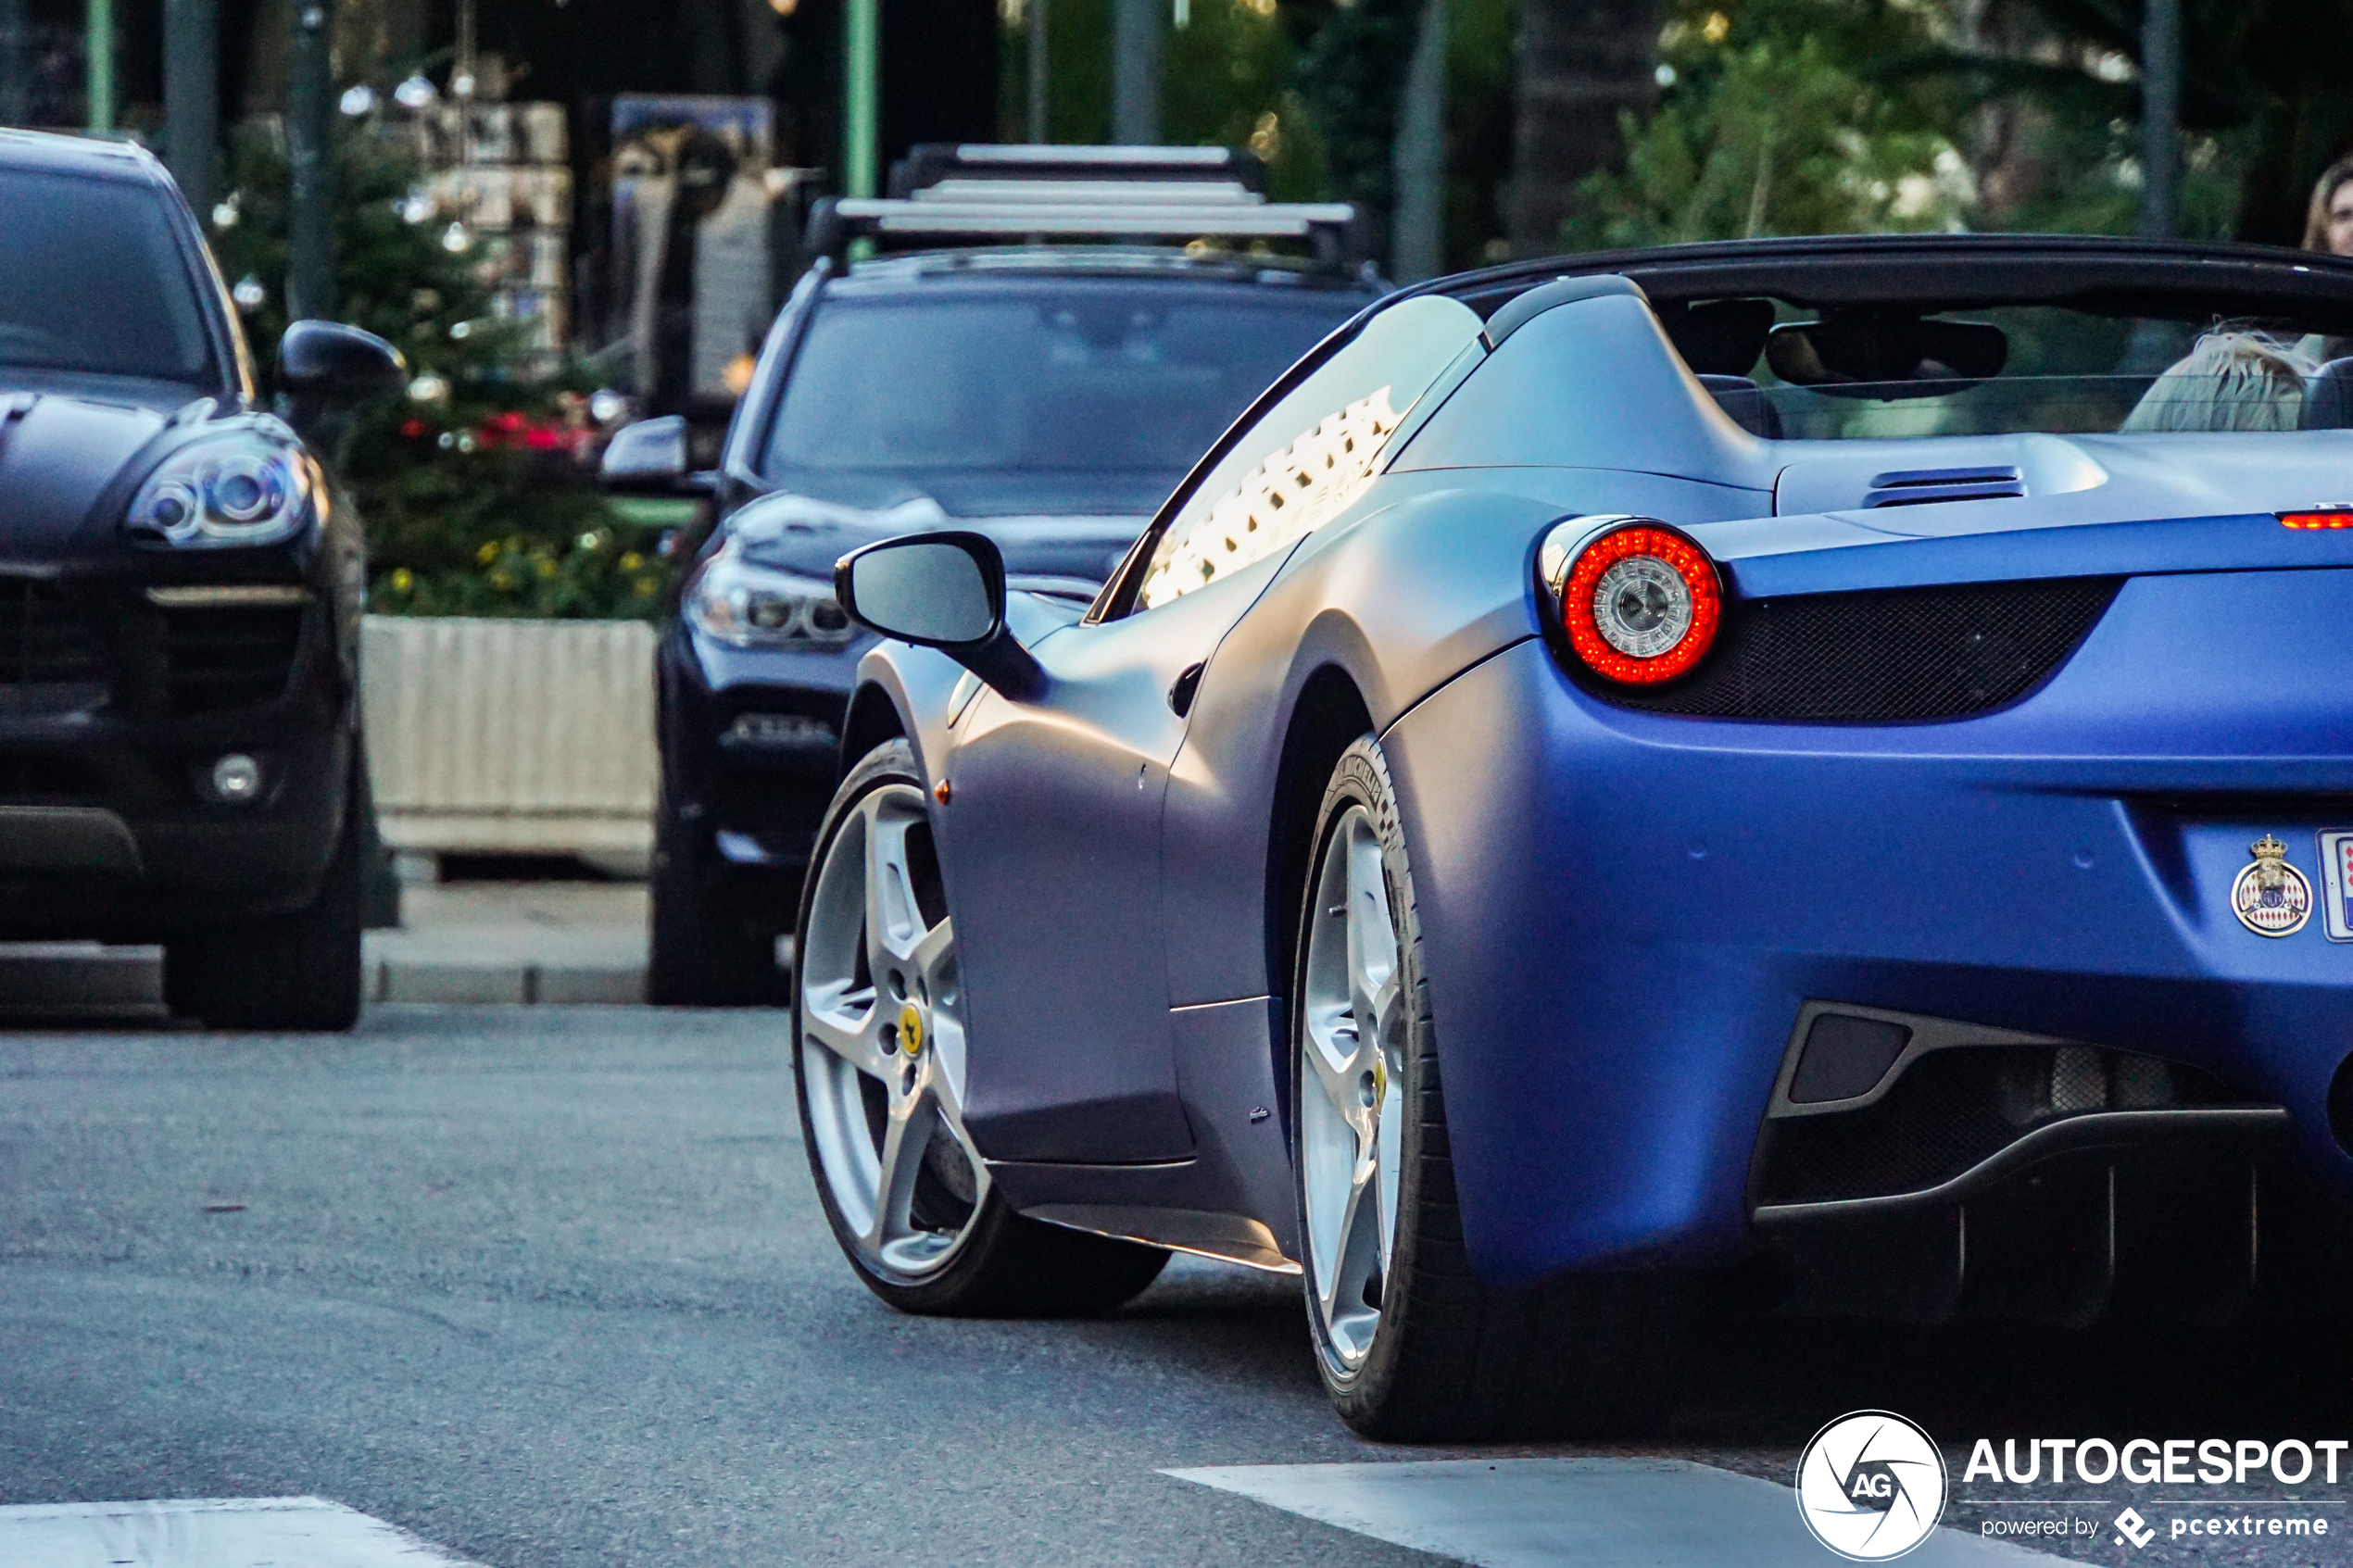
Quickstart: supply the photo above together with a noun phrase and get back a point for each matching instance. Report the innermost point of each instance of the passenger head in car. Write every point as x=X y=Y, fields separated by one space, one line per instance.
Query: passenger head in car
x=2328 y=226
x=2229 y=380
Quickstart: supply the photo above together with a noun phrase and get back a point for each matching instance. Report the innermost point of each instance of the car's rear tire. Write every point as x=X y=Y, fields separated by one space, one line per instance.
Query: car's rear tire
x=695 y=958
x=298 y=972
x=1413 y=1345
x=879 y=1061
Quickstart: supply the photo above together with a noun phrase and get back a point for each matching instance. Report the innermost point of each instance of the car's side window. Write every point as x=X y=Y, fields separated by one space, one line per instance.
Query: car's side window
x=1312 y=454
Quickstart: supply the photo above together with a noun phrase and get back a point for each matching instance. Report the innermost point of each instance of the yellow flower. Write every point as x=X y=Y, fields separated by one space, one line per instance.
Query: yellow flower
x=631 y=561
x=402 y=580
x=645 y=586
x=488 y=553
x=502 y=578
x=547 y=566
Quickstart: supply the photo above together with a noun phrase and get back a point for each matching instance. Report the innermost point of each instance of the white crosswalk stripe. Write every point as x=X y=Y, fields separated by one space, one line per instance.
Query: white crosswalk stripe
x=210 y=1533
x=1588 y=1512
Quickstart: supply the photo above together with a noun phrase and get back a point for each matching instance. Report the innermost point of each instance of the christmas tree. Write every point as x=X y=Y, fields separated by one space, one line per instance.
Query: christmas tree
x=474 y=487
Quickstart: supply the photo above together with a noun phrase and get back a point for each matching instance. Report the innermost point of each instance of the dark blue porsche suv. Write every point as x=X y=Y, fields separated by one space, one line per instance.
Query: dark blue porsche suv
x=1049 y=393
x=181 y=580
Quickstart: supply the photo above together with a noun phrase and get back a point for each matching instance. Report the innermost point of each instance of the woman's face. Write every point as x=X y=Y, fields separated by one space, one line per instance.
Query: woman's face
x=2340 y=219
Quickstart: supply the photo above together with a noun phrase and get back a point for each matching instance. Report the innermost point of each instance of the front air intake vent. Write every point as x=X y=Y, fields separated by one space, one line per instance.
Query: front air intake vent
x=1917 y=487
x=45 y=641
x=233 y=657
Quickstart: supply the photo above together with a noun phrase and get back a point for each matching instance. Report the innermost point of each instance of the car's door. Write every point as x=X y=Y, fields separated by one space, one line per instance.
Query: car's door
x=1051 y=851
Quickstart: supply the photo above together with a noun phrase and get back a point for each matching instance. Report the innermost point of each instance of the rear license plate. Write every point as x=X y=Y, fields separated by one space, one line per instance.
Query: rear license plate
x=2337 y=882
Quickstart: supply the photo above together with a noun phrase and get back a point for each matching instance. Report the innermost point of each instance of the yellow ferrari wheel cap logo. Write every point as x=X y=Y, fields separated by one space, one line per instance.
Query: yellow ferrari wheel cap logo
x=911 y=1030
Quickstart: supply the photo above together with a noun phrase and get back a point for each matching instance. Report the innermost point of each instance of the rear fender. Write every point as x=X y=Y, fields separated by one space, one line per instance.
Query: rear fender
x=1433 y=579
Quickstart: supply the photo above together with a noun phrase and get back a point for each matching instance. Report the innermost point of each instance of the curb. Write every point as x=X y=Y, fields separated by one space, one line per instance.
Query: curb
x=82 y=976
x=75 y=975
x=389 y=980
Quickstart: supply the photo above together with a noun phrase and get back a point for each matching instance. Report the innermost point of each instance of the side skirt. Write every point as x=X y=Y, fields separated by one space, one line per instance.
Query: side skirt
x=1175 y=1205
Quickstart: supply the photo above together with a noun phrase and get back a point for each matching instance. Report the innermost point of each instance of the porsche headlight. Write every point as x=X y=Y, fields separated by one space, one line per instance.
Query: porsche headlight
x=242 y=490
x=759 y=607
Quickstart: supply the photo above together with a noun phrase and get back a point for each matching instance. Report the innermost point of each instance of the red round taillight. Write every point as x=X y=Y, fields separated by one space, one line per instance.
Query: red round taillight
x=1638 y=601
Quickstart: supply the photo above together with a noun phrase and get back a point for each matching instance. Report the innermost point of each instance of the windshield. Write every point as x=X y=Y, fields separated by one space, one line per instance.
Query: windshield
x=1057 y=397
x=1895 y=374
x=91 y=282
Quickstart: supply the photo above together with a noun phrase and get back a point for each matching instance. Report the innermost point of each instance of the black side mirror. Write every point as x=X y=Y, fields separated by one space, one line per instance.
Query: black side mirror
x=651 y=457
x=945 y=591
x=326 y=360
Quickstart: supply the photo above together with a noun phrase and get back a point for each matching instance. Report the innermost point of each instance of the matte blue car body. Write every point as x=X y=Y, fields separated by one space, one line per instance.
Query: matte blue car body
x=1622 y=911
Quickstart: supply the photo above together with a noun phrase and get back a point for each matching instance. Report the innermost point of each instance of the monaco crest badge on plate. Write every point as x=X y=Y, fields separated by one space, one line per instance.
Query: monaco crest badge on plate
x=2270 y=898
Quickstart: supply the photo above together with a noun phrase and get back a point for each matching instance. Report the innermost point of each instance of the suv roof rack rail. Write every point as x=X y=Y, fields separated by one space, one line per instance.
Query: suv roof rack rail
x=974 y=193
x=927 y=163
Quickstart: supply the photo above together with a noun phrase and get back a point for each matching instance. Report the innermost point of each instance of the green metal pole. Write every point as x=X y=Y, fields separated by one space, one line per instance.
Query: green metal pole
x=310 y=116
x=2162 y=118
x=1418 y=220
x=862 y=96
x=192 y=97
x=101 y=67
x=15 y=62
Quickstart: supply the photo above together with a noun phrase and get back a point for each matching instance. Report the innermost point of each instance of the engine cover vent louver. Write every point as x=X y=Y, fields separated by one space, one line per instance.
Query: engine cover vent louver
x=1915 y=487
x=1883 y=655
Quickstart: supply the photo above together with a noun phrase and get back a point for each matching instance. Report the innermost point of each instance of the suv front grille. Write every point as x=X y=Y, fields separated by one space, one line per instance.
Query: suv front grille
x=1887 y=655
x=33 y=779
x=237 y=656
x=44 y=639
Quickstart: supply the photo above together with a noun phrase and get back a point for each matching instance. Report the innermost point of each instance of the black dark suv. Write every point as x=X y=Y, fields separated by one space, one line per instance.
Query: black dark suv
x=180 y=592
x=1049 y=393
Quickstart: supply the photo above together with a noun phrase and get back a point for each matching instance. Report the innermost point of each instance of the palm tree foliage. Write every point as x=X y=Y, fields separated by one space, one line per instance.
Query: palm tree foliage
x=1810 y=116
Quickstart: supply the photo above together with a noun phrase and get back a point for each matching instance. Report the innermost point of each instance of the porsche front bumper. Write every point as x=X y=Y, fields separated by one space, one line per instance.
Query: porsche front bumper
x=113 y=716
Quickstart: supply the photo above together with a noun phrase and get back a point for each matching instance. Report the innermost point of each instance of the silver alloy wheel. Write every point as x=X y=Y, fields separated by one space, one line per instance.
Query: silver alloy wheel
x=882 y=1044
x=1351 y=1088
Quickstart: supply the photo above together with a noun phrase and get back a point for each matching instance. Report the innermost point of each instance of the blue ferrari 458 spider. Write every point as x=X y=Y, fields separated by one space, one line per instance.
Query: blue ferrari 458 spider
x=1799 y=772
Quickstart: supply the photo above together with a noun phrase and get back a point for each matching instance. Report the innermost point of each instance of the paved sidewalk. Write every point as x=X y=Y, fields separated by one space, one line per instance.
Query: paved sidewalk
x=513 y=942
x=568 y=942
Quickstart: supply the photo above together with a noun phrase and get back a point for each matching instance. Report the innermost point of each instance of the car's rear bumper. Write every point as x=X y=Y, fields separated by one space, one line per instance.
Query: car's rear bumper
x=1624 y=914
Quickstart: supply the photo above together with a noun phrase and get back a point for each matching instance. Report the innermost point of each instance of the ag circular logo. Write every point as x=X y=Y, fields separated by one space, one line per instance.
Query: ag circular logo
x=1870 y=1485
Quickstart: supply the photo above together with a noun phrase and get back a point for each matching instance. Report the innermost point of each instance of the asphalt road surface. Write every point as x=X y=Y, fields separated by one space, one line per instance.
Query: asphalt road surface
x=548 y=1286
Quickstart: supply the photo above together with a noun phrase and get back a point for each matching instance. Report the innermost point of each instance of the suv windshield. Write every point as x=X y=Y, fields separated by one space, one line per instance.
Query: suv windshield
x=91 y=280
x=1047 y=396
x=1894 y=372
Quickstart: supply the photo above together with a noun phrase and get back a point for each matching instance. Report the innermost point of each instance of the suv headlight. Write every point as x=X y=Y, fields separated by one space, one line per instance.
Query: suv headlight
x=758 y=606
x=238 y=490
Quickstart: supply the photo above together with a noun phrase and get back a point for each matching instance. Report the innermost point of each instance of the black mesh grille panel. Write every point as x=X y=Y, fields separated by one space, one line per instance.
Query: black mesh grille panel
x=44 y=639
x=230 y=656
x=1954 y=1109
x=1887 y=655
x=37 y=780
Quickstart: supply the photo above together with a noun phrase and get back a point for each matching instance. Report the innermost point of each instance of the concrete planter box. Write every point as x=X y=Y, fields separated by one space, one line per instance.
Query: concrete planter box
x=514 y=737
